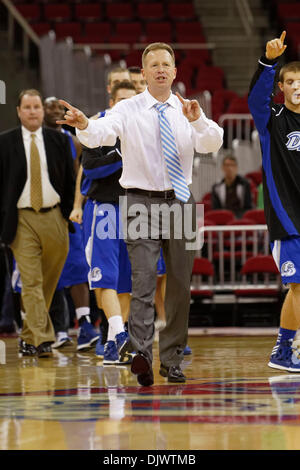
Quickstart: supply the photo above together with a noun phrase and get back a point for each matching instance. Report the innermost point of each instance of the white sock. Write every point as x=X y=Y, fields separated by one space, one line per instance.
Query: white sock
x=61 y=334
x=82 y=312
x=110 y=334
x=115 y=326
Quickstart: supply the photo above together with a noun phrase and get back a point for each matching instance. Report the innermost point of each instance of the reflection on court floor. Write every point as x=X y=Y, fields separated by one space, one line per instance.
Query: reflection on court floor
x=231 y=400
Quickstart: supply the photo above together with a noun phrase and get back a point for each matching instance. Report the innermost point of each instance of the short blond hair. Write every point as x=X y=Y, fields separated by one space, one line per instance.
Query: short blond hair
x=116 y=70
x=290 y=67
x=155 y=46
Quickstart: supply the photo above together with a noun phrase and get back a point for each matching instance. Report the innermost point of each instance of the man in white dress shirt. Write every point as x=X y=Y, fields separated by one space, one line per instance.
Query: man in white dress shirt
x=147 y=180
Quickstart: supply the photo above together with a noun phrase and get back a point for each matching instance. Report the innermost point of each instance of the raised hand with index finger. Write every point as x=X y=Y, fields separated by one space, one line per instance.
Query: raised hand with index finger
x=73 y=117
x=276 y=47
x=190 y=108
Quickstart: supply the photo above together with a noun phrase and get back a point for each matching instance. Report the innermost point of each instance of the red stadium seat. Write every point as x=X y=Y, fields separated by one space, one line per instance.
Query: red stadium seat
x=221 y=99
x=202 y=268
x=257 y=215
x=260 y=265
x=181 y=11
x=239 y=105
x=134 y=58
x=288 y=10
x=189 y=31
x=88 y=11
x=121 y=11
x=150 y=11
x=220 y=216
x=30 y=12
x=158 y=31
x=130 y=32
x=97 y=32
x=209 y=78
x=41 y=29
x=72 y=29
x=57 y=12
x=241 y=238
x=255 y=176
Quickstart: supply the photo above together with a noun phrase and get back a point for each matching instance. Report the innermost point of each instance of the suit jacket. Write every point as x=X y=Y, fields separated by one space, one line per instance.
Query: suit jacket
x=13 y=175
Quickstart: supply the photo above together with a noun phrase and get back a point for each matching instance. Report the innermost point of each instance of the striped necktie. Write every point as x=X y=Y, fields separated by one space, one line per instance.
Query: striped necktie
x=171 y=155
x=36 y=195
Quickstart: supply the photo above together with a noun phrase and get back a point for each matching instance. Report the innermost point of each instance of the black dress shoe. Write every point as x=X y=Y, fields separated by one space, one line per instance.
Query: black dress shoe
x=44 y=350
x=142 y=367
x=27 y=349
x=173 y=373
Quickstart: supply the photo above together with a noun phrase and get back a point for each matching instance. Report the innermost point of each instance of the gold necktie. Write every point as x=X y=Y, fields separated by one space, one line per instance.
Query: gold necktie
x=36 y=195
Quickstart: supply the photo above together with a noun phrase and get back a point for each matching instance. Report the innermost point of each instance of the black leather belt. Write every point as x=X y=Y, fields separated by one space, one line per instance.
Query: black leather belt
x=43 y=209
x=170 y=194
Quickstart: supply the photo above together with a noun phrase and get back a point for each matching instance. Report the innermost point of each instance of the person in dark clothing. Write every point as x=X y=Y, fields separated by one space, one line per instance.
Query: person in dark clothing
x=279 y=130
x=37 y=190
x=110 y=270
x=233 y=192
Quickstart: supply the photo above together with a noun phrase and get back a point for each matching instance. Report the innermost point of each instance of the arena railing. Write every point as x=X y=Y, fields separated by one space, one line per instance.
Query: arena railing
x=28 y=35
x=227 y=247
x=238 y=126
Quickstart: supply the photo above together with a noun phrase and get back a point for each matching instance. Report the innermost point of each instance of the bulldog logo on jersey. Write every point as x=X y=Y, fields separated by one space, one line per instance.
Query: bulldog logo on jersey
x=96 y=275
x=294 y=141
x=288 y=269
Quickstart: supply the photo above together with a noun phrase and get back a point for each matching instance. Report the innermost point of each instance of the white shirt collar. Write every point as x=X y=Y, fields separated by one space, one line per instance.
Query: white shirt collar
x=27 y=133
x=151 y=101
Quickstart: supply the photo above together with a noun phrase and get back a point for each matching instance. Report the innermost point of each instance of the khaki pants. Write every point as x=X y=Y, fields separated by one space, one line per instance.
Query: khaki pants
x=40 y=249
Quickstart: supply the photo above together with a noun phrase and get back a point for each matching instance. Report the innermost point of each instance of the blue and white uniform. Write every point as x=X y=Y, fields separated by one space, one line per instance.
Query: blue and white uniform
x=279 y=133
x=106 y=251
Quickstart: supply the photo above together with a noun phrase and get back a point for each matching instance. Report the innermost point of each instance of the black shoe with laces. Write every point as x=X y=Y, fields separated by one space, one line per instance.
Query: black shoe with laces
x=27 y=349
x=173 y=373
x=44 y=350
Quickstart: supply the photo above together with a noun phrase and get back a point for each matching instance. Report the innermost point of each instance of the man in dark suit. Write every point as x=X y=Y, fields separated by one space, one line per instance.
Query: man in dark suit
x=36 y=198
x=233 y=192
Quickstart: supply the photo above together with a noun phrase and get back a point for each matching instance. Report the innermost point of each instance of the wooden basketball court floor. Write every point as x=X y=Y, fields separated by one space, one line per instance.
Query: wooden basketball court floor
x=231 y=401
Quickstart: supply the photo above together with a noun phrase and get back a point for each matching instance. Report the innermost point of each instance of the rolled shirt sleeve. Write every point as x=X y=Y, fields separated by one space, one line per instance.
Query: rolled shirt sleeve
x=207 y=135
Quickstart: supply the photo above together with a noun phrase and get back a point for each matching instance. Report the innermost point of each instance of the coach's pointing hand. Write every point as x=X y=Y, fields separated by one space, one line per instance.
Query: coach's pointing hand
x=74 y=117
x=275 y=47
x=190 y=108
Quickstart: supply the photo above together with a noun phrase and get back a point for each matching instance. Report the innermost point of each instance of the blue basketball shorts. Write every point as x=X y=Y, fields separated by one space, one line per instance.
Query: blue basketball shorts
x=161 y=266
x=105 y=249
x=286 y=254
x=75 y=270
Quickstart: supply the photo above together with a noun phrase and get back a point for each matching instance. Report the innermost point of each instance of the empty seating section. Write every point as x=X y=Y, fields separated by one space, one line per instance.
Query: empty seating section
x=144 y=21
x=129 y=23
x=288 y=17
x=148 y=11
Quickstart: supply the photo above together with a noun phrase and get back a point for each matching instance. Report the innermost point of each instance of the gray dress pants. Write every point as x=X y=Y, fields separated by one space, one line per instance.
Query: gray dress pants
x=144 y=236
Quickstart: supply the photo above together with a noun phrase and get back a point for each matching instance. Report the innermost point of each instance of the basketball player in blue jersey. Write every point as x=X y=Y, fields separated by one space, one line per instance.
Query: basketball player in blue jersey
x=75 y=271
x=279 y=131
x=110 y=270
